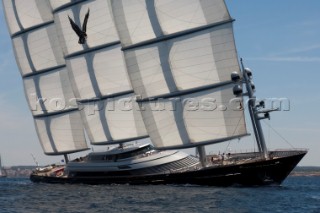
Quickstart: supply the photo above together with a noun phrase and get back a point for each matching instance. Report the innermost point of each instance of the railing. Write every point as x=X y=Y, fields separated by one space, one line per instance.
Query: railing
x=283 y=153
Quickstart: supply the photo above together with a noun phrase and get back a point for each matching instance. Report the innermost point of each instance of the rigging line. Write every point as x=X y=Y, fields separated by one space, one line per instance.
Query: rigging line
x=241 y=118
x=254 y=141
x=269 y=135
x=279 y=134
x=227 y=147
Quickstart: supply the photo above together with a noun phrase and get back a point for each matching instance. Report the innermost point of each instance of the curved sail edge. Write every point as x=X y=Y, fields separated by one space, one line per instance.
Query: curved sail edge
x=22 y=15
x=49 y=92
x=187 y=62
x=115 y=120
x=38 y=51
x=100 y=26
x=139 y=20
x=99 y=74
x=205 y=117
x=176 y=51
x=61 y=134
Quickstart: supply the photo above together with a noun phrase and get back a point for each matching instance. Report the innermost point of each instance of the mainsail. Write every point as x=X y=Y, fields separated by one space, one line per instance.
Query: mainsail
x=46 y=81
x=180 y=55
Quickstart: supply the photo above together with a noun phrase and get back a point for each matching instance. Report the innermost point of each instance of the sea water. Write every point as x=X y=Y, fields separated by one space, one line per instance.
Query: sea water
x=297 y=194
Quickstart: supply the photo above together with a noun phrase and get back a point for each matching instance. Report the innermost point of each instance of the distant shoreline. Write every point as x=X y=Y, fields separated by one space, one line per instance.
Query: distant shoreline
x=306 y=171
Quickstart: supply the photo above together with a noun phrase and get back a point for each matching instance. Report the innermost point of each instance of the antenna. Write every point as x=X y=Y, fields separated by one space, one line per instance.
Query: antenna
x=247 y=75
x=34 y=159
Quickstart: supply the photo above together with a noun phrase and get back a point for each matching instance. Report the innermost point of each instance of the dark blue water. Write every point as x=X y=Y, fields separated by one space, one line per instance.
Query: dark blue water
x=297 y=194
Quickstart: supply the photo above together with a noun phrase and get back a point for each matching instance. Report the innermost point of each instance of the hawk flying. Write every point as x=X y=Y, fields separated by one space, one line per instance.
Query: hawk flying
x=81 y=33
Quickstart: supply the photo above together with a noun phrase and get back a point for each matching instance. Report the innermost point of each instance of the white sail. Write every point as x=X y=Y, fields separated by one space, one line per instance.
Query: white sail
x=113 y=120
x=50 y=92
x=61 y=133
x=56 y=4
x=46 y=81
x=181 y=49
x=21 y=14
x=38 y=50
x=100 y=27
x=98 y=73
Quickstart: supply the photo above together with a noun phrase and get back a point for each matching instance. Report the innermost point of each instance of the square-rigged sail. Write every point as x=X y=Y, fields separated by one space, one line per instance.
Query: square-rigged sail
x=72 y=87
x=98 y=74
x=46 y=81
x=180 y=55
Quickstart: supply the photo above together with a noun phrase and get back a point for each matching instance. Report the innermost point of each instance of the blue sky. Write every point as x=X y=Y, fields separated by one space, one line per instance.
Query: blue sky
x=278 y=39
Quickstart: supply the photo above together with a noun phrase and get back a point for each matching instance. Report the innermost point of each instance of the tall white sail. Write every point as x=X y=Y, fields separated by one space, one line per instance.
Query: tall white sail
x=46 y=81
x=180 y=55
x=98 y=73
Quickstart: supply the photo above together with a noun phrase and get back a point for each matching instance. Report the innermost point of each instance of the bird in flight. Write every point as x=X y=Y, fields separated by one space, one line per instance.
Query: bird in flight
x=82 y=33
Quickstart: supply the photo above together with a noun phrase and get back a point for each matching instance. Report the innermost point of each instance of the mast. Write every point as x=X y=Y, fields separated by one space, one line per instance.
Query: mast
x=202 y=155
x=4 y=174
x=258 y=132
x=66 y=158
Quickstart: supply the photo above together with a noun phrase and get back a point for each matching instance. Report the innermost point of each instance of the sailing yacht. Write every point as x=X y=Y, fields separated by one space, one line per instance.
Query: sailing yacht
x=2 y=172
x=165 y=71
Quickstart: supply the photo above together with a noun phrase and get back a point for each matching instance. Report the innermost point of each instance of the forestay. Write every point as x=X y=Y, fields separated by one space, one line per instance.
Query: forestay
x=181 y=53
x=98 y=73
x=46 y=81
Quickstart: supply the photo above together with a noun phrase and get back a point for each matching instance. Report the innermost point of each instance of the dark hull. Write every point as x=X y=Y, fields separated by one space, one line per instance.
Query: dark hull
x=257 y=173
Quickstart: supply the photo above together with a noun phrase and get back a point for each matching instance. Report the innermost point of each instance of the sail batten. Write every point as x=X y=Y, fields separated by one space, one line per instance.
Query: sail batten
x=115 y=95
x=175 y=35
x=119 y=141
x=55 y=113
x=64 y=5
x=116 y=43
x=72 y=151
x=186 y=92
x=180 y=56
x=39 y=72
x=31 y=29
